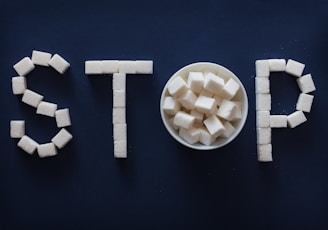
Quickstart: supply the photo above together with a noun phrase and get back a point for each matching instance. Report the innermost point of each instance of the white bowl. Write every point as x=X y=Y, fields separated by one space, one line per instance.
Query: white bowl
x=241 y=96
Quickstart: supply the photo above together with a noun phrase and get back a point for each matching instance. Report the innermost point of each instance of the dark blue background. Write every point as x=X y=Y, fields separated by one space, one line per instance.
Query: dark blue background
x=162 y=184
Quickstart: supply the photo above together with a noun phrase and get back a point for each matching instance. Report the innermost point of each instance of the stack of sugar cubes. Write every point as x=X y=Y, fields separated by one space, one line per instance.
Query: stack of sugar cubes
x=36 y=100
x=202 y=108
x=265 y=121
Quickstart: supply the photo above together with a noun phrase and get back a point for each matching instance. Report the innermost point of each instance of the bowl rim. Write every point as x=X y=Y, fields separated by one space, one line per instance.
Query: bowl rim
x=198 y=146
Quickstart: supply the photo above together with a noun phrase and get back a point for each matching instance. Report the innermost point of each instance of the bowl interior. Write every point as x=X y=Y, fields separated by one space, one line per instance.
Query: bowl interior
x=226 y=74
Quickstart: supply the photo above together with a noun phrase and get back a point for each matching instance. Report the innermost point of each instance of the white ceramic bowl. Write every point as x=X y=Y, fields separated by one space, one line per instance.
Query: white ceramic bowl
x=241 y=96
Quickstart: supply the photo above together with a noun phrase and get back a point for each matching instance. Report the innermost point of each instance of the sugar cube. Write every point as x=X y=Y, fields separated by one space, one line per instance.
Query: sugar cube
x=109 y=66
x=18 y=85
x=62 y=138
x=27 y=144
x=198 y=116
x=278 y=121
x=263 y=101
x=226 y=109
x=46 y=108
x=214 y=125
x=228 y=129
x=306 y=83
x=93 y=67
x=205 y=104
x=188 y=99
x=230 y=89
x=304 y=102
x=119 y=81
x=264 y=153
x=262 y=119
x=213 y=83
x=24 y=66
x=32 y=98
x=206 y=93
x=183 y=120
x=119 y=132
x=205 y=137
x=177 y=86
x=294 y=68
x=262 y=68
x=119 y=115
x=170 y=105
x=59 y=63
x=262 y=85
x=237 y=112
x=47 y=150
x=295 y=119
x=277 y=65
x=263 y=136
x=128 y=67
x=190 y=135
x=17 y=129
x=63 y=118
x=195 y=81
x=171 y=121
x=119 y=99
x=120 y=149
x=41 y=58
x=144 y=67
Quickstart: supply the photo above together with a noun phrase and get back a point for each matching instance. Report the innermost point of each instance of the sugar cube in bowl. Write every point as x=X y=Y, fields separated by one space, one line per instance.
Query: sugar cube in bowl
x=232 y=90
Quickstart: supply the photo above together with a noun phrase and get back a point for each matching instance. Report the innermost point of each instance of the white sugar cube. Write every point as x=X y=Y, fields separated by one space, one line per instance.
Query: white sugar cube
x=295 y=119
x=128 y=67
x=278 y=121
x=62 y=138
x=109 y=66
x=188 y=99
x=263 y=101
x=264 y=153
x=277 y=65
x=262 y=68
x=120 y=149
x=59 y=63
x=63 y=118
x=205 y=137
x=190 y=135
x=17 y=129
x=230 y=89
x=119 y=99
x=306 y=83
x=237 y=113
x=218 y=99
x=205 y=104
x=294 y=68
x=171 y=121
x=304 y=102
x=263 y=136
x=214 y=125
x=262 y=119
x=228 y=129
x=177 y=86
x=47 y=150
x=119 y=115
x=32 y=98
x=183 y=120
x=198 y=116
x=93 y=67
x=262 y=85
x=119 y=81
x=213 y=83
x=226 y=110
x=120 y=132
x=144 y=67
x=206 y=93
x=27 y=144
x=24 y=66
x=196 y=81
x=41 y=58
x=46 y=108
x=18 y=85
x=170 y=105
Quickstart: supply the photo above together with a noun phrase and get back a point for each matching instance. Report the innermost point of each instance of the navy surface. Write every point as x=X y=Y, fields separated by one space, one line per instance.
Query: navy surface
x=162 y=184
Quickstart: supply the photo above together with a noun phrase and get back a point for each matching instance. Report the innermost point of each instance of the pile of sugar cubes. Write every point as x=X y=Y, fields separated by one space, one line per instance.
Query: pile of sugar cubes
x=265 y=121
x=202 y=107
x=34 y=99
x=119 y=70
